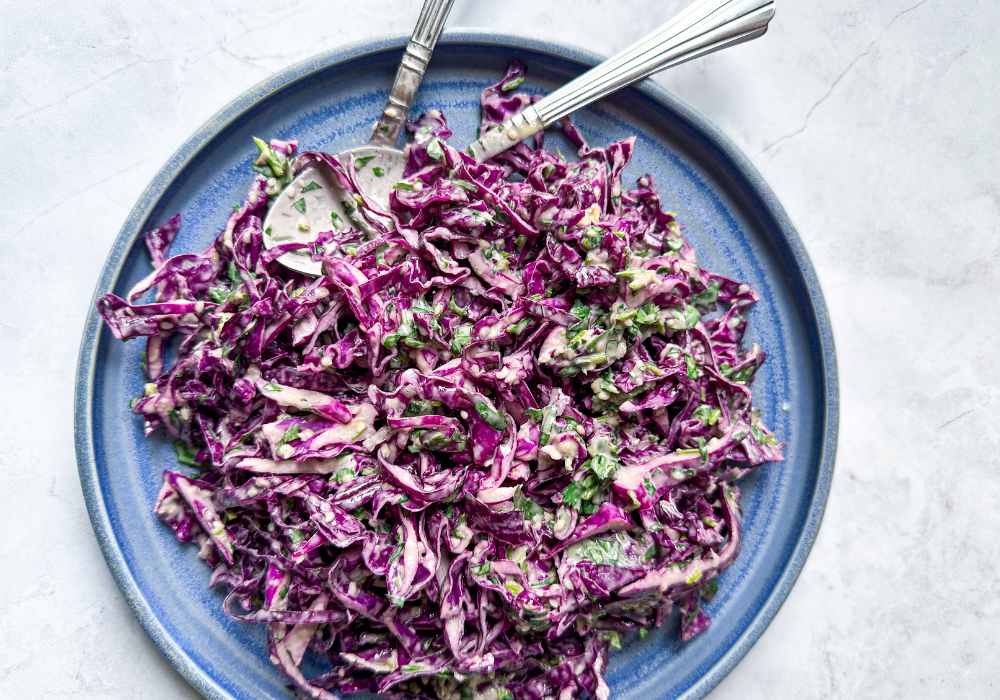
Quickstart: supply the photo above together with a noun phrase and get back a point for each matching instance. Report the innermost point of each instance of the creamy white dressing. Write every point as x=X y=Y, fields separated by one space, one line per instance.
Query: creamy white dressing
x=555 y=344
x=597 y=258
x=288 y=224
x=496 y=495
x=592 y=216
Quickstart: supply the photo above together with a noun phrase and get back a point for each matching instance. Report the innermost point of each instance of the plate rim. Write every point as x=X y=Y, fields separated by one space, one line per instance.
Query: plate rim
x=127 y=236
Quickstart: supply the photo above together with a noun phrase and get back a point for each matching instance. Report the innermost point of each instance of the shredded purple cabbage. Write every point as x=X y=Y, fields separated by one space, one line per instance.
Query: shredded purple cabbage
x=501 y=430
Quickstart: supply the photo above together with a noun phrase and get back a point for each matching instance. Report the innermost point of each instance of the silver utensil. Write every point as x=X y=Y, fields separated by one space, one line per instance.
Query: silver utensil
x=704 y=27
x=302 y=209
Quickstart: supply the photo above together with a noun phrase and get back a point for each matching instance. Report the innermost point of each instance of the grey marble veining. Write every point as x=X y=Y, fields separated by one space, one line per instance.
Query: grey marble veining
x=878 y=126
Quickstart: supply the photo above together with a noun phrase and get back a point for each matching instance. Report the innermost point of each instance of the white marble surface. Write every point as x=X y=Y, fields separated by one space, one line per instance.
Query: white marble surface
x=877 y=124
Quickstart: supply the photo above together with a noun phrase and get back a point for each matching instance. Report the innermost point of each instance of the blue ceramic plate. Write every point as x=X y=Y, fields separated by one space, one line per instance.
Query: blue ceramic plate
x=329 y=103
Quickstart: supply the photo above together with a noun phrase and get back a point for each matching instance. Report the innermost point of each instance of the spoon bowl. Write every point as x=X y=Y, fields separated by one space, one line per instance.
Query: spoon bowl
x=315 y=201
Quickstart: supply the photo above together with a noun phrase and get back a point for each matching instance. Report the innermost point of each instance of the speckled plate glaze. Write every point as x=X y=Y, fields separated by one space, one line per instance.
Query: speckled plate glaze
x=329 y=103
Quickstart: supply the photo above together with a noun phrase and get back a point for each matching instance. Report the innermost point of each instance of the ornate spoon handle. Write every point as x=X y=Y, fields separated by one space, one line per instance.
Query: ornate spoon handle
x=704 y=27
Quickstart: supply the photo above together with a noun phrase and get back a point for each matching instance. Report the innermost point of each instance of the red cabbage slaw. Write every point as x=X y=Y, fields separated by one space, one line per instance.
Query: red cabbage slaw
x=503 y=428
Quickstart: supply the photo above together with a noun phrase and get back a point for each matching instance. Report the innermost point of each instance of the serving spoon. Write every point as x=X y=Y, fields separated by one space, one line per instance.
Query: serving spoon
x=305 y=206
x=704 y=27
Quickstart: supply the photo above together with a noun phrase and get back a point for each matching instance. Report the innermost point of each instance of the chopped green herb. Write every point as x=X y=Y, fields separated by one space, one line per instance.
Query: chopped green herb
x=743 y=375
x=186 y=454
x=290 y=434
x=361 y=162
x=421 y=407
x=600 y=550
x=455 y=308
x=344 y=474
x=613 y=639
x=513 y=587
x=434 y=149
x=518 y=328
x=572 y=495
x=692 y=368
x=649 y=553
x=548 y=424
x=709 y=589
x=650 y=489
x=494 y=419
x=300 y=204
x=512 y=84
x=535 y=414
x=685 y=319
x=276 y=161
x=708 y=415
x=582 y=312
x=461 y=338
x=707 y=298
x=311 y=186
x=647 y=314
